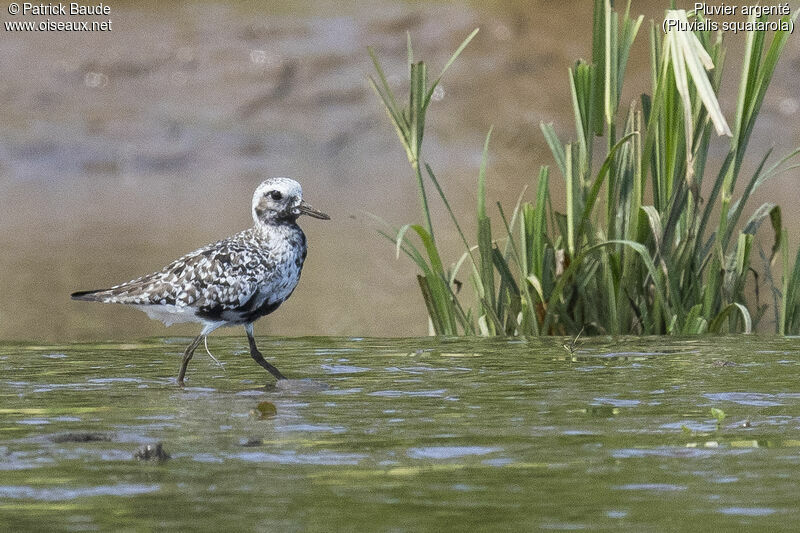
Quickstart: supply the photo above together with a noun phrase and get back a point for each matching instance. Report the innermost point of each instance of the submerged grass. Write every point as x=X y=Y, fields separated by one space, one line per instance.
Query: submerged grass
x=638 y=249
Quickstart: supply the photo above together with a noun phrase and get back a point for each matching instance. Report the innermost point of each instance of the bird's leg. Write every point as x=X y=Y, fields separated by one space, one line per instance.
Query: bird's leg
x=187 y=356
x=256 y=355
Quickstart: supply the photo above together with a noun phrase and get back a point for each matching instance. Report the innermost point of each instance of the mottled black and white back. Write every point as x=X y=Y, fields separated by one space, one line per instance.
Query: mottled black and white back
x=232 y=282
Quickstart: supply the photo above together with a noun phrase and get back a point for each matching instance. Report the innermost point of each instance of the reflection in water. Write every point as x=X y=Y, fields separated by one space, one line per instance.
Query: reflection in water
x=400 y=435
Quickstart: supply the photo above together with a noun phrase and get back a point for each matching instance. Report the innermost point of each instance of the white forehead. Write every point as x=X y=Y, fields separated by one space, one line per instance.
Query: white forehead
x=286 y=186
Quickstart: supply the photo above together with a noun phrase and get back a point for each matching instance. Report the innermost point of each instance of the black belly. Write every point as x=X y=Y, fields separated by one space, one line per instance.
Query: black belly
x=264 y=310
x=244 y=314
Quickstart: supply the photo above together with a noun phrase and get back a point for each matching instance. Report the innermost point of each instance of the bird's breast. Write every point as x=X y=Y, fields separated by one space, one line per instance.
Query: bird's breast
x=286 y=253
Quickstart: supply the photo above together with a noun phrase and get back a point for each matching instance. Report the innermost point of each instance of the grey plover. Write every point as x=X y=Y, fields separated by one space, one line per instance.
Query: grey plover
x=232 y=282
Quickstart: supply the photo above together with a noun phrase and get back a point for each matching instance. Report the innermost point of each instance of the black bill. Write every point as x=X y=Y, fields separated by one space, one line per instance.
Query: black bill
x=306 y=209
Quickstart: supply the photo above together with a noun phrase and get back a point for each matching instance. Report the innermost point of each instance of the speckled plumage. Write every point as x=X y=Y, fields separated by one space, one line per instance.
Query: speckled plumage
x=234 y=281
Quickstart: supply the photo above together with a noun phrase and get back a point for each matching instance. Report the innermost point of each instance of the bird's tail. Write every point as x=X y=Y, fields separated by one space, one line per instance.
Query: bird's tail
x=90 y=296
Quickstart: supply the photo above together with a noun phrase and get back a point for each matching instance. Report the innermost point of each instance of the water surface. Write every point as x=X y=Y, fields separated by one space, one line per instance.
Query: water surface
x=403 y=435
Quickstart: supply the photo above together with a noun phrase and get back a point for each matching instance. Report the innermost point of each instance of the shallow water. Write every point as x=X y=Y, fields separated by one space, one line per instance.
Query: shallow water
x=402 y=435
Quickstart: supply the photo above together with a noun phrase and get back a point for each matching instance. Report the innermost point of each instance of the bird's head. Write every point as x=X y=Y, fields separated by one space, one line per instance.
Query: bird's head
x=281 y=199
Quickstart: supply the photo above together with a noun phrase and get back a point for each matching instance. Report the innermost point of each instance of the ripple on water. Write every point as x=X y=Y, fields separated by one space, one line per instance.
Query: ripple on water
x=69 y=387
x=25 y=492
x=438 y=393
x=207 y=458
x=420 y=369
x=297 y=386
x=616 y=402
x=196 y=393
x=251 y=393
x=499 y=461
x=290 y=457
x=335 y=351
x=344 y=369
x=655 y=487
x=114 y=380
x=311 y=428
x=22 y=461
x=748 y=511
x=33 y=421
x=756 y=399
x=665 y=451
x=562 y=526
x=631 y=354
x=450 y=452
x=337 y=392
x=692 y=425
x=66 y=418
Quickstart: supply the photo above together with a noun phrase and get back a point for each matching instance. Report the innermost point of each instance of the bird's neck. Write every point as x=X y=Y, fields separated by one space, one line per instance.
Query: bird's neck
x=273 y=227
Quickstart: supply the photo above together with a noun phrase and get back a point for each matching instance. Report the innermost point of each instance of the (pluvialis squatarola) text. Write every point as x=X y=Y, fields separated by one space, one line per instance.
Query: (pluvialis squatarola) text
x=702 y=18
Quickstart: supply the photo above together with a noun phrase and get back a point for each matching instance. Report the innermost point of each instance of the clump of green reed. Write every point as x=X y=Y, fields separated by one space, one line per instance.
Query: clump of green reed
x=638 y=250
x=789 y=296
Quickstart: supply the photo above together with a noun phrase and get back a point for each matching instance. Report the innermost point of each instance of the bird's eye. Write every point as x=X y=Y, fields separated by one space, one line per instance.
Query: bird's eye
x=276 y=195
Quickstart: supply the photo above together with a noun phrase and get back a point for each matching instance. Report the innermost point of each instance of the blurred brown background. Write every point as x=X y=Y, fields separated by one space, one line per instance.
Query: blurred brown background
x=121 y=151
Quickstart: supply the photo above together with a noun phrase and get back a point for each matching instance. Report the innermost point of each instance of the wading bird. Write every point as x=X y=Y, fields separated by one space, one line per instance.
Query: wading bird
x=232 y=282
